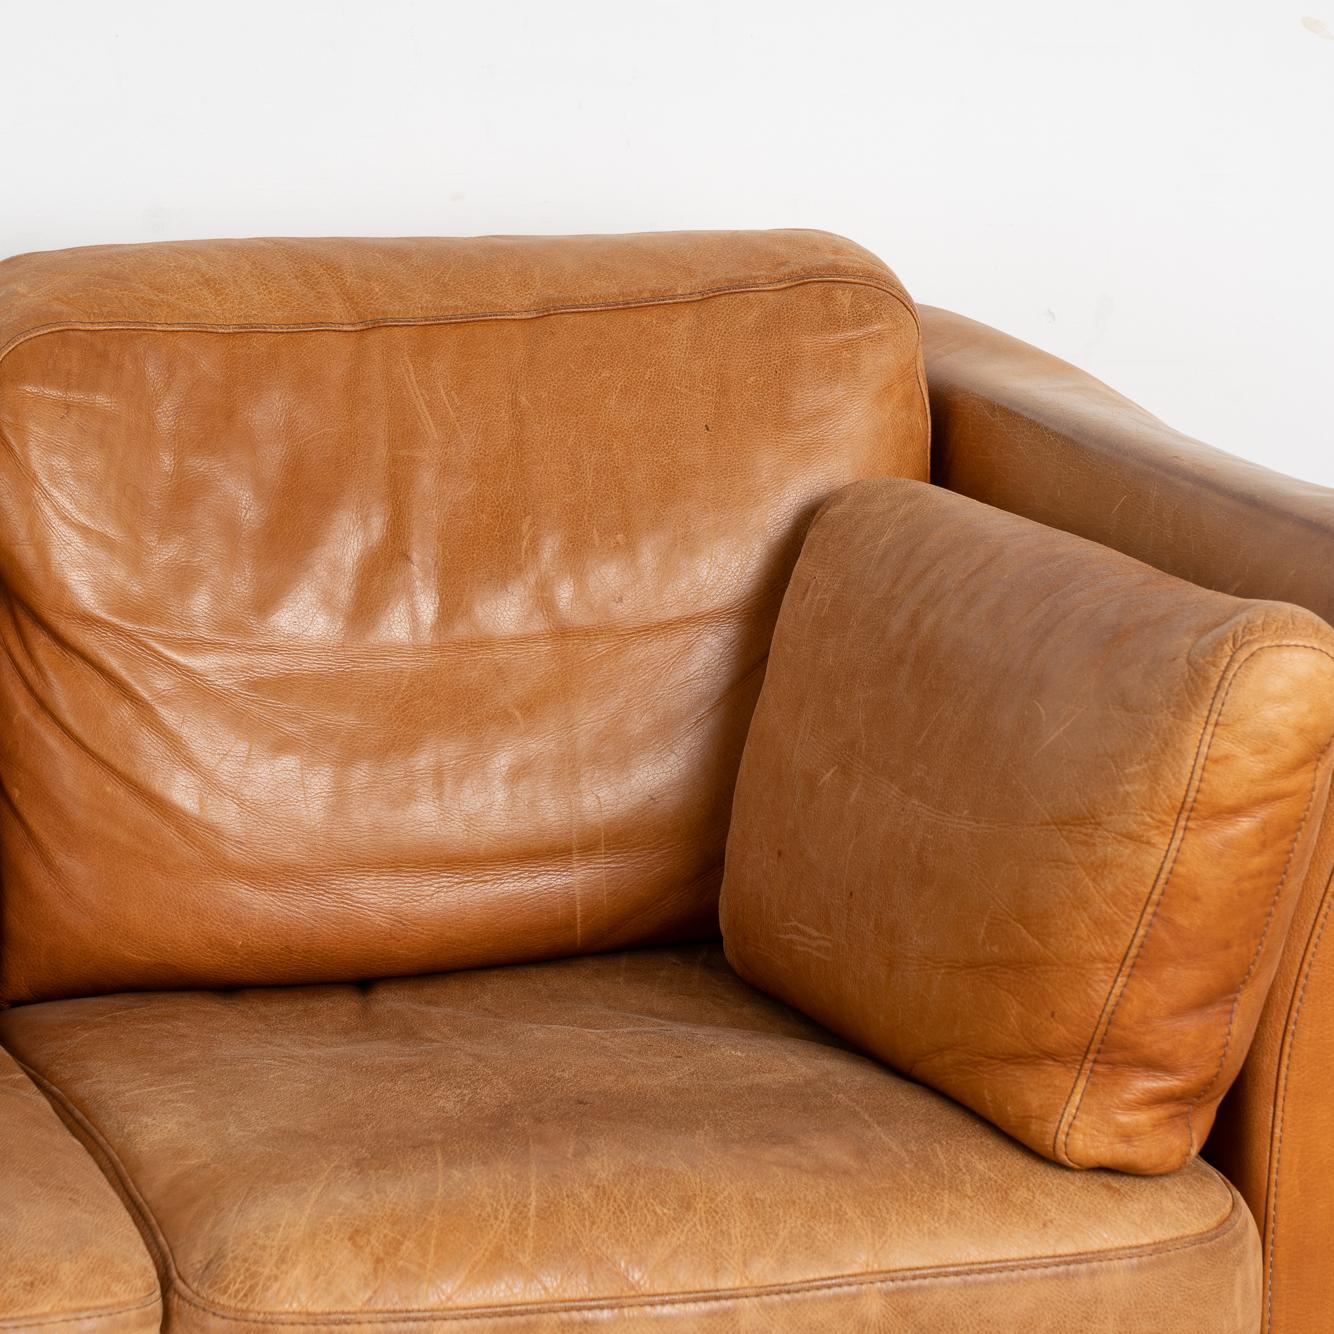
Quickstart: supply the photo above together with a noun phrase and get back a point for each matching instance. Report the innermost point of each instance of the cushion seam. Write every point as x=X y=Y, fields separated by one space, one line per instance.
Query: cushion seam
x=1121 y=979
x=144 y=1218
x=74 y=1317
x=467 y=317
x=178 y=1287
x=1307 y=812
x=983 y=1269
x=1240 y=656
x=1281 y=1095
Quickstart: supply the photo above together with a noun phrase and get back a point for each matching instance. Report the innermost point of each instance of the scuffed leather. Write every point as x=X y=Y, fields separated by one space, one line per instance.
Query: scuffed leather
x=1028 y=819
x=379 y=607
x=71 y=1259
x=620 y=1142
x=1021 y=429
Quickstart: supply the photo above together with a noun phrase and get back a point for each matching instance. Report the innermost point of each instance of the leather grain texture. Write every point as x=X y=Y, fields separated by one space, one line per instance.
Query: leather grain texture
x=1021 y=429
x=619 y=1142
x=1028 y=819
x=379 y=607
x=71 y=1258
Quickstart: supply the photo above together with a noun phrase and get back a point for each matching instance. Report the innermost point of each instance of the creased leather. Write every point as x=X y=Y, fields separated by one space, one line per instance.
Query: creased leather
x=1028 y=819
x=1021 y=429
x=378 y=607
x=623 y=1142
x=71 y=1259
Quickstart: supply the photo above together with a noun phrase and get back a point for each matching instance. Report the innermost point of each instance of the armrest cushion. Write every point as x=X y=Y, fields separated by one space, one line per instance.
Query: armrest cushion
x=1026 y=819
x=71 y=1259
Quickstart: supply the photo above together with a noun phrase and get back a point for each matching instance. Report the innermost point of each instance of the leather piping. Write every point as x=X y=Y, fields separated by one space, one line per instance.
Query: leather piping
x=1321 y=772
x=1240 y=656
x=176 y=1287
x=75 y=1318
x=467 y=317
x=1157 y=891
x=1281 y=1095
x=893 y=291
x=845 y=1283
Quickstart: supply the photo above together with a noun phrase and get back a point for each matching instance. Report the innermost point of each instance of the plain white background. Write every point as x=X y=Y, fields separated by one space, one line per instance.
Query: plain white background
x=1145 y=187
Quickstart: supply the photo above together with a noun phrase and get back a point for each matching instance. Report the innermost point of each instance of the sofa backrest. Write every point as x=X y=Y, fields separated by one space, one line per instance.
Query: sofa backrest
x=381 y=607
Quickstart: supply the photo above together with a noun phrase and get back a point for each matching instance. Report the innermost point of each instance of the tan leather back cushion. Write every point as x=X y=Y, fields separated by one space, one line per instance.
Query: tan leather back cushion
x=1026 y=818
x=379 y=607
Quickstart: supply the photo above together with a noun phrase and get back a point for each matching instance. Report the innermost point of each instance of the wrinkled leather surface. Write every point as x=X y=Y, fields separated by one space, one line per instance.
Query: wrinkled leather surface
x=378 y=607
x=1021 y=429
x=71 y=1259
x=1028 y=819
x=620 y=1141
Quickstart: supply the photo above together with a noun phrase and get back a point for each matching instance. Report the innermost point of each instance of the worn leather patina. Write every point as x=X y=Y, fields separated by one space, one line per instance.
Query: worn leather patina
x=382 y=607
x=1018 y=428
x=383 y=623
x=1028 y=819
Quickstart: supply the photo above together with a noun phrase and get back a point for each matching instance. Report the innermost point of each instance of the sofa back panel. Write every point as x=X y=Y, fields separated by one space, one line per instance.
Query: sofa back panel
x=391 y=642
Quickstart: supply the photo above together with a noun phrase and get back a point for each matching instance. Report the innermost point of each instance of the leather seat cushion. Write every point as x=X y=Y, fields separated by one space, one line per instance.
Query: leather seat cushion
x=635 y=1139
x=71 y=1260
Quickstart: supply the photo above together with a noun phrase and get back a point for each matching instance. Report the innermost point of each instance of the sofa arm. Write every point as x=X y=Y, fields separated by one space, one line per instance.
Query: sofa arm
x=1026 y=432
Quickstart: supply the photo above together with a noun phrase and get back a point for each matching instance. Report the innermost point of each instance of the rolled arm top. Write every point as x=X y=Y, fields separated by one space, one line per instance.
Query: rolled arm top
x=1026 y=432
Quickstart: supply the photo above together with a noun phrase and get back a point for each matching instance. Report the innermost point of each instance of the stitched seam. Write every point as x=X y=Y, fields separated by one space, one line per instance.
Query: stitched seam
x=1264 y=933
x=1281 y=1095
x=73 y=1318
x=144 y=1219
x=1219 y=1232
x=465 y=317
x=1084 y=1075
x=1240 y=656
x=896 y=293
x=183 y=1291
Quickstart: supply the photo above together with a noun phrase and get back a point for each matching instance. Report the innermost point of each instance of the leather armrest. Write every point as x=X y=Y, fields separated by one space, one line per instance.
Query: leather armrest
x=1027 y=432
x=71 y=1259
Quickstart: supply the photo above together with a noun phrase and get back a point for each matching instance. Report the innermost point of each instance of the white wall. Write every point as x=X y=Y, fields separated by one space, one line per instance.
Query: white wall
x=1145 y=187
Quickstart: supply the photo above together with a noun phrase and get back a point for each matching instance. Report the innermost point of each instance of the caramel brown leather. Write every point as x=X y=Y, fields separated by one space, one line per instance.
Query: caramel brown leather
x=385 y=606
x=622 y=1142
x=1027 y=432
x=1028 y=819
x=379 y=607
x=71 y=1260
x=1021 y=429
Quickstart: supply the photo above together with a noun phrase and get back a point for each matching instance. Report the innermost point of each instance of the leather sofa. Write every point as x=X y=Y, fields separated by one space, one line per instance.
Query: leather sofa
x=383 y=626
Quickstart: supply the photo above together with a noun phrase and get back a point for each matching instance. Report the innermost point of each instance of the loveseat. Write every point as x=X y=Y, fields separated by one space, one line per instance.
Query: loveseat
x=382 y=630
